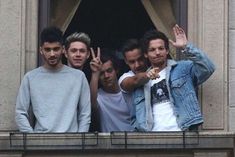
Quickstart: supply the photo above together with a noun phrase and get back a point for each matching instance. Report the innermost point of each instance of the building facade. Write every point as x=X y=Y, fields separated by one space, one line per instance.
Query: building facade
x=210 y=25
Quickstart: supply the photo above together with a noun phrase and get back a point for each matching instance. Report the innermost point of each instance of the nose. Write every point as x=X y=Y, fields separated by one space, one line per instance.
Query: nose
x=52 y=52
x=137 y=64
x=157 y=51
x=78 y=53
x=106 y=74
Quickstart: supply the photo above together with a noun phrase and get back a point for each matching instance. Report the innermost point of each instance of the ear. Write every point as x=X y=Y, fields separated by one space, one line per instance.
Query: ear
x=167 y=51
x=145 y=55
x=65 y=53
x=117 y=72
x=63 y=50
x=125 y=60
x=89 y=53
x=41 y=50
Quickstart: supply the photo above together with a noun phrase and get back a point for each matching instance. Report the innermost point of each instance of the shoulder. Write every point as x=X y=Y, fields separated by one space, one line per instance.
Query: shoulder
x=179 y=64
x=182 y=67
x=125 y=75
x=33 y=73
x=72 y=71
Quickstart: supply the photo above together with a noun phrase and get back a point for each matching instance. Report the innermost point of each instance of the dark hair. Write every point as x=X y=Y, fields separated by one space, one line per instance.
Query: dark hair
x=108 y=54
x=152 y=35
x=51 y=34
x=129 y=45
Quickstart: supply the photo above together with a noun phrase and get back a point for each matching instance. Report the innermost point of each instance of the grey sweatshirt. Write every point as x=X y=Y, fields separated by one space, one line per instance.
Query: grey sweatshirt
x=60 y=101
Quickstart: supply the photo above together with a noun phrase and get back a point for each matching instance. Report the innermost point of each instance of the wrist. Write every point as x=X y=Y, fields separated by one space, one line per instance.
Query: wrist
x=184 y=48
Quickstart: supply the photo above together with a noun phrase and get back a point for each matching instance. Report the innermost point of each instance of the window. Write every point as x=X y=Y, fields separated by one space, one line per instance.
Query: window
x=110 y=23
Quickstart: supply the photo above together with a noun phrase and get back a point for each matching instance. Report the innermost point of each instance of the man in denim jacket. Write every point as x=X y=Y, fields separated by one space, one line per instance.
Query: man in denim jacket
x=176 y=91
x=181 y=110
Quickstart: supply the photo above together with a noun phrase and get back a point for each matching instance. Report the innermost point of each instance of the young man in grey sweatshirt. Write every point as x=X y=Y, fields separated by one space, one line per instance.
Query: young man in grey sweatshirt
x=59 y=95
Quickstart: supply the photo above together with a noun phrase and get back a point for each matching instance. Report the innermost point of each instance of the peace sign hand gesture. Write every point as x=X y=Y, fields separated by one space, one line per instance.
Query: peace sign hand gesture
x=180 y=37
x=95 y=63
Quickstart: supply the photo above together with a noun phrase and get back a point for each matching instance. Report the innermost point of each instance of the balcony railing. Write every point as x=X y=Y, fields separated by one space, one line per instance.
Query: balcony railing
x=126 y=141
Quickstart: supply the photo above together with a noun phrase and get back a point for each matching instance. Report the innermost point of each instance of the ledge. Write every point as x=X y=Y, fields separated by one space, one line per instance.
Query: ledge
x=16 y=141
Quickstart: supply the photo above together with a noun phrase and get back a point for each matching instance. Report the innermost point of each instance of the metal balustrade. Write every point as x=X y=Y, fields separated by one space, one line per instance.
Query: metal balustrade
x=127 y=141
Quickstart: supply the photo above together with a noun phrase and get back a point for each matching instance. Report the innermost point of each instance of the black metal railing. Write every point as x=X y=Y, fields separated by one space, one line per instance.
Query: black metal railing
x=32 y=141
x=162 y=139
x=113 y=140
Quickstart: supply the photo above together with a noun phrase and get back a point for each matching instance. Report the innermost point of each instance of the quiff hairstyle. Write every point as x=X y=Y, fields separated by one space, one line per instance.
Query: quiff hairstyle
x=81 y=37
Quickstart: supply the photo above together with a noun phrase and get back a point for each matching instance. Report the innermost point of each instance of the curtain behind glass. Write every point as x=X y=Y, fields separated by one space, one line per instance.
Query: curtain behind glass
x=62 y=12
x=162 y=16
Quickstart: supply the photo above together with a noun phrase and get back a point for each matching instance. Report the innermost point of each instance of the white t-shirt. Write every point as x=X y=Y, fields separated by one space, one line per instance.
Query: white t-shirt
x=114 y=112
x=125 y=75
x=163 y=115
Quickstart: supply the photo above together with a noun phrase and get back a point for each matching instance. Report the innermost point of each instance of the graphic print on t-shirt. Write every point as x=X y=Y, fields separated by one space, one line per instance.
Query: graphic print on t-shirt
x=159 y=92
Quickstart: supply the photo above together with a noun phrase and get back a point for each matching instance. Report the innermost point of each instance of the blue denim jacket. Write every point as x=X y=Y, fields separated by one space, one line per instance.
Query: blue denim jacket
x=182 y=78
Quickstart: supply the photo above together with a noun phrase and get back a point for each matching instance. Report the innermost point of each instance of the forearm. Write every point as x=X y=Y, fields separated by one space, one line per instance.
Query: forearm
x=130 y=83
x=203 y=66
x=84 y=113
x=22 y=107
x=94 y=89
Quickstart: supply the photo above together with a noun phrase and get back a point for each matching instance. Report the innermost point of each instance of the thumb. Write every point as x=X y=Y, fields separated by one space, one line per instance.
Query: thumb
x=172 y=42
x=156 y=69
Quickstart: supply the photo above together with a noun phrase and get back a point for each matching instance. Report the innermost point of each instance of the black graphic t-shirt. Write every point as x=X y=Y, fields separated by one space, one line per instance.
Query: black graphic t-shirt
x=159 y=92
x=162 y=110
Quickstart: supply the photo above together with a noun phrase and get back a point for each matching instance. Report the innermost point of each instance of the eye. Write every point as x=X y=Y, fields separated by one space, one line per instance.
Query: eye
x=56 y=49
x=47 y=49
x=161 y=48
x=151 y=50
x=73 y=50
x=109 y=70
x=83 y=50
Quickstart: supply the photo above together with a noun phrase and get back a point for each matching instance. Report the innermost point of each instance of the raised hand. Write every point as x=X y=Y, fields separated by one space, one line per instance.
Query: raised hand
x=180 y=37
x=95 y=63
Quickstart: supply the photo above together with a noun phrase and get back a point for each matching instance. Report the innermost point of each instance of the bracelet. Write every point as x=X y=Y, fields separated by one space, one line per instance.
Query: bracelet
x=184 y=50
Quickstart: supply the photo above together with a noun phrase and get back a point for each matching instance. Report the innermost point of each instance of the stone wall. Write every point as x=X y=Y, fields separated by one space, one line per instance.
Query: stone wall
x=207 y=28
x=18 y=49
x=231 y=65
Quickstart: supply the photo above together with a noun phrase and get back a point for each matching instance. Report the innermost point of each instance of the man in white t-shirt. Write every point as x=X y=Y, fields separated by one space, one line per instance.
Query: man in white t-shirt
x=111 y=104
x=132 y=82
x=134 y=58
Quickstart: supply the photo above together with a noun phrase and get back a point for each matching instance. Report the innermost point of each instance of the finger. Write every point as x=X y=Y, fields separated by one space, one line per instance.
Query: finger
x=98 y=52
x=148 y=75
x=181 y=30
x=156 y=69
x=177 y=30
x=96 y=60
x=174 y=30
x=172 y=42
x=150 y=72
x=156 y=76
x=92 y=53
x=94 y=64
